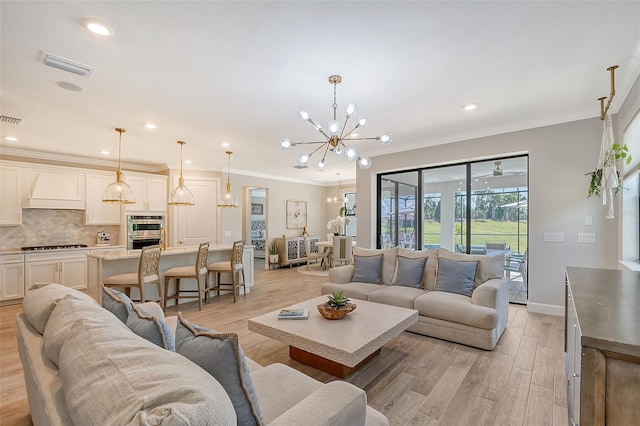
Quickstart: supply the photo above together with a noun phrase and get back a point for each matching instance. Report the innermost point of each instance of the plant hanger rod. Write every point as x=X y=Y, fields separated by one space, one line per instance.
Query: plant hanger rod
x=603 y=109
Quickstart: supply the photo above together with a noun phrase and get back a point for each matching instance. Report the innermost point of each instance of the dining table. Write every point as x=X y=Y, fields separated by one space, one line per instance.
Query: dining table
x=327 y=246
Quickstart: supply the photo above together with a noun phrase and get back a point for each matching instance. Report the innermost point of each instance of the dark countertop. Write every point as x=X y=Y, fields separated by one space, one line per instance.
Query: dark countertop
x=607 y=304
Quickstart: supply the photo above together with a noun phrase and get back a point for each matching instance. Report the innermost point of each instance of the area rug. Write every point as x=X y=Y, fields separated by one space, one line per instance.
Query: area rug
x=314 y=269
x=517 y=292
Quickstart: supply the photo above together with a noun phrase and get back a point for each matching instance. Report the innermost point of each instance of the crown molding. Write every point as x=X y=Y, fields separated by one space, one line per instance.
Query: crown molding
x=49 y=157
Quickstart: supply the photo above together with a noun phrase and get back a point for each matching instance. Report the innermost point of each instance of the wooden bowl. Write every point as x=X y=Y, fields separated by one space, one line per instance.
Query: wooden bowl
x=333 y=314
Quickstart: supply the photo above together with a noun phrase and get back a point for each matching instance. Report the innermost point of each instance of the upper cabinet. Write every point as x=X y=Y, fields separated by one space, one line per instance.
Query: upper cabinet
x=10 y=195
x=98 y=212
x=49 y=187
x=150 y=192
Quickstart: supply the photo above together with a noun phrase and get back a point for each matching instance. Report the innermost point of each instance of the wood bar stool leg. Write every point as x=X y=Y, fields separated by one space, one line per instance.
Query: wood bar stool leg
x=167 y=280
x=199 y=292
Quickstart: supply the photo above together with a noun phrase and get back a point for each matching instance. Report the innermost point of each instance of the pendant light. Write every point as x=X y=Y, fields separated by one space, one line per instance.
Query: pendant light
x=181 y=196
x=119 y=191
x=342 y=199
x=227 y=200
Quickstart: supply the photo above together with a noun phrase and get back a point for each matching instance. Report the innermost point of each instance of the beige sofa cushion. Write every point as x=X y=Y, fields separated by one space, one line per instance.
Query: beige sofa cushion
x=139 y=383
x=354 y=290
x=456 y=308
x=388 y=261
x=41 y=298
x=490 y=267
x=396 y=295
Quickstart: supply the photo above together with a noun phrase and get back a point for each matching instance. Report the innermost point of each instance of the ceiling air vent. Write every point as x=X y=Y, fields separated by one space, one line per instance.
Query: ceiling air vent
x=10 y=120
x=66 y=64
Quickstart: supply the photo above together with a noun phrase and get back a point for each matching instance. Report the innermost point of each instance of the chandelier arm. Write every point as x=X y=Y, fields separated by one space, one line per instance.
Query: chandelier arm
x=313 y=123
x=344 y=126
x=318 y=149
x=377 y=138
x=307 y=143
x=350 y=131
x=325 y=153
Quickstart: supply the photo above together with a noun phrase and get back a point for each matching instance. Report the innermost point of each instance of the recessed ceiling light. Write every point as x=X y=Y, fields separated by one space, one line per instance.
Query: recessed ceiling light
x=353 y=135
x=150 y=126
x=98 y=27
x=70 y=86
x=11 y=138
x=470 y=107
x=225 y=144
x=104 y=152
x=187 y=161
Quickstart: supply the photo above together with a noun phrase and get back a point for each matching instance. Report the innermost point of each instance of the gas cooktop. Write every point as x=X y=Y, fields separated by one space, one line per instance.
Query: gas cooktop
x=56 y=247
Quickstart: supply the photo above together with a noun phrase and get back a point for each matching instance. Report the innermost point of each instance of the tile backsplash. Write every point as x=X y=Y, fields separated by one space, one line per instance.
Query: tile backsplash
x=50 y=227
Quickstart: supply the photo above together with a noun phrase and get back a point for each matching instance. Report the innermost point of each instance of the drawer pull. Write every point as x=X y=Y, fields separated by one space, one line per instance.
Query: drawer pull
x=575 y=375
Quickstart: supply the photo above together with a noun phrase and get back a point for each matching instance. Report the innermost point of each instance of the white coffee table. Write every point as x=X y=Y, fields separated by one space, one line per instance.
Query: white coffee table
x=338 y=347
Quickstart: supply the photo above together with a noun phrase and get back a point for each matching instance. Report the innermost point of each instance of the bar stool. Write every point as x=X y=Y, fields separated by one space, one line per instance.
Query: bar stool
x=234 y=267
x=147 y=274
x=195 y=272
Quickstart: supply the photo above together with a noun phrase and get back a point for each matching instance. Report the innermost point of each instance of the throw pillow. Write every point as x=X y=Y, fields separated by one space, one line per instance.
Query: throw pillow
x=116 y=302
x=456 y=276
x=490 y=267
x=221 y=356
x=368 y=269
x=429 y=277
x=151 y=327
x=388 y=261
x=410 y=271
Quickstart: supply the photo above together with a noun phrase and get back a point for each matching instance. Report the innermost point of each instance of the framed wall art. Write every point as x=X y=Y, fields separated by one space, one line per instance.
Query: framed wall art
x=296 y=214
x=257 y=208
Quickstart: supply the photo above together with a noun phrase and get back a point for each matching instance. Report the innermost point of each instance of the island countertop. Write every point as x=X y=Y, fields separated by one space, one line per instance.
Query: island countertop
x=170 y=251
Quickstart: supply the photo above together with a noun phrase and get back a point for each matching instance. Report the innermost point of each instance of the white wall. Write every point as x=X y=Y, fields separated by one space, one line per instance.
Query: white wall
x=559 y=157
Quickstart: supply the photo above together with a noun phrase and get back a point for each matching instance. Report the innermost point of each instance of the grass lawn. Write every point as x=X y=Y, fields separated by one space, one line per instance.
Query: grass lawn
x=483 y=231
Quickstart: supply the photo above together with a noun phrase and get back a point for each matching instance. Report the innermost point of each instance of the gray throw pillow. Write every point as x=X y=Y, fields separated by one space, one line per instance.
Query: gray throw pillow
x=150 y=327
x=410 y=271
x=221 y=356
x=456 y=276
x=368 y=269
x=116 y=302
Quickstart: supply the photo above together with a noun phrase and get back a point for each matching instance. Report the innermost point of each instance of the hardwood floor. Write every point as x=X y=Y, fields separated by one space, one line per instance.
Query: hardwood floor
x=416 y=380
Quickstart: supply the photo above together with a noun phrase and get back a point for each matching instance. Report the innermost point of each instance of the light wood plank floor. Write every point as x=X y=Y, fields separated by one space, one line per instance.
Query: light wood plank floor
x=416 y=380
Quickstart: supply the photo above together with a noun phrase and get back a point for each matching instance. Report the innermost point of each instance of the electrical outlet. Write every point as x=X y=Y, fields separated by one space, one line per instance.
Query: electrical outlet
x=553 y=237
x=586 y=237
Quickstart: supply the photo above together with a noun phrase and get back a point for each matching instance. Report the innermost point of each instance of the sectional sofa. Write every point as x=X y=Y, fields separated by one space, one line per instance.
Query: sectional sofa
x=83 y=365
x=461 y=298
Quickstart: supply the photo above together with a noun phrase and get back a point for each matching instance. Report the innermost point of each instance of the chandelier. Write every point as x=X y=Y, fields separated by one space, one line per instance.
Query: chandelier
x=337 y=136
x=227 y=200
x=119 y=191
x=339 y=198
x=181 y=195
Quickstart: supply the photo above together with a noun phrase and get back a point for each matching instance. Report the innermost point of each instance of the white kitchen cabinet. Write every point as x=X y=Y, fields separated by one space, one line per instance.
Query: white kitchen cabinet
x=197 y=224
x=99 y=212
x=64 y=267
x=10 y=195
x=150 y=192
x=11 y=277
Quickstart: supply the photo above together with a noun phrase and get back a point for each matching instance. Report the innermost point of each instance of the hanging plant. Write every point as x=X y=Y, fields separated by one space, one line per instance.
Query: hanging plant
x=617 y=152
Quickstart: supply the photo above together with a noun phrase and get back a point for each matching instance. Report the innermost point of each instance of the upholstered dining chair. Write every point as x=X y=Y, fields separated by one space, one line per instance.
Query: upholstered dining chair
x=342 y=249
x=311 y=256
x=196 y=272
x=232 y=266
x=147 y=275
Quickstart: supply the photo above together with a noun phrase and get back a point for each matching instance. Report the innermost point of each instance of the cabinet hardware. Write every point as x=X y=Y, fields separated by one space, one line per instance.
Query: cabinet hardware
x=575 y=375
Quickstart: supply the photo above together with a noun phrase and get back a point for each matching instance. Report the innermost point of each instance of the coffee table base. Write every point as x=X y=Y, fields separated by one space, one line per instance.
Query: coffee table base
x=326 y=365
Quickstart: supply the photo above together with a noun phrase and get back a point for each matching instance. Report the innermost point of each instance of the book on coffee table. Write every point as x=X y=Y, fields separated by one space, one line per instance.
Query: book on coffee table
x=293 y=314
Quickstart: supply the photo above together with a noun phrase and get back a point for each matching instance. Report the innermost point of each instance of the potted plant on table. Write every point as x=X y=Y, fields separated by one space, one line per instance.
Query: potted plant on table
x=273 y=252
x=337 y=306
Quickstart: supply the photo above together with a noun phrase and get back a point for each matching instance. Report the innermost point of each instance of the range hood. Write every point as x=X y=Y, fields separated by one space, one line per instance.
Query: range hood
x=55 y=190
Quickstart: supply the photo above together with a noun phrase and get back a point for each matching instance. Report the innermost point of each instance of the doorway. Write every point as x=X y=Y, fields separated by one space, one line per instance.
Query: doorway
x=256 y=225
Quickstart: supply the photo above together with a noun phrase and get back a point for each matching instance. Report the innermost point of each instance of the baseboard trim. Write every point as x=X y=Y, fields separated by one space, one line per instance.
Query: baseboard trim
x=541 y=308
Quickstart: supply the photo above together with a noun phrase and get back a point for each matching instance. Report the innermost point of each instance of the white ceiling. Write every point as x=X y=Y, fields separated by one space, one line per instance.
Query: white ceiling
x=237 y=72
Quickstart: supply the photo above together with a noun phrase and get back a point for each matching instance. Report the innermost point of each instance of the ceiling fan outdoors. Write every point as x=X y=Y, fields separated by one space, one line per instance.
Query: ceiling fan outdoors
x=499 y=171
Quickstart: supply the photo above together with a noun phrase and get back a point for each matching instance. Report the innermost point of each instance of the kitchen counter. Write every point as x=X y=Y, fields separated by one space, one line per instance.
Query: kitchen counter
x=18 y=250
x=104 y=263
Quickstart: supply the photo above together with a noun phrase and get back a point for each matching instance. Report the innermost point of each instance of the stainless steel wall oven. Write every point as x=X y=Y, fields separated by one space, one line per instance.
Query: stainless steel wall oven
x=144 y=231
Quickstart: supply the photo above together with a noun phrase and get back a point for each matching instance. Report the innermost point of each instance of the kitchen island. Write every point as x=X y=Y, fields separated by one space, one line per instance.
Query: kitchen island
x=102 y=264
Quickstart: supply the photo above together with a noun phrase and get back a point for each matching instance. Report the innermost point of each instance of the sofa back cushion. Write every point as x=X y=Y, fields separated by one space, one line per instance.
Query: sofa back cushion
x=429 y=278
x=489 y=267
x=456 y=276
x=388 y=261
x=40 y=300
x=111 y=376
x=221 y=356
x=367 y=269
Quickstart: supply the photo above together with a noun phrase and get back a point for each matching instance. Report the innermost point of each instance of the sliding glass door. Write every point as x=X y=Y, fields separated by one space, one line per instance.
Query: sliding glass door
x=474 y=208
